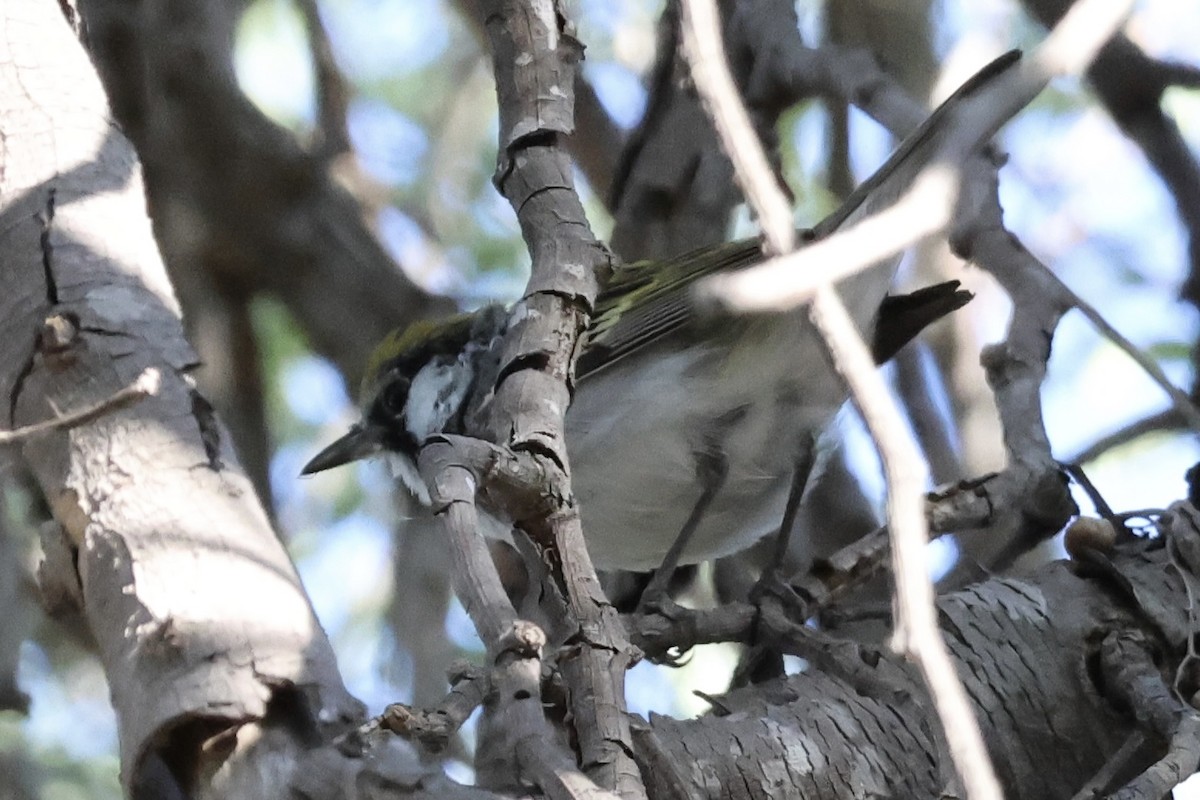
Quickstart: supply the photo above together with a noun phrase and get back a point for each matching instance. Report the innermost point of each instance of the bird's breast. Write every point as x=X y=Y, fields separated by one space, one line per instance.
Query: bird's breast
x=642 y=435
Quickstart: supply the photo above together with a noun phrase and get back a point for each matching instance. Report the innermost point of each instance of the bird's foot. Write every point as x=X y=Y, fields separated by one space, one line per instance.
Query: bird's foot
x=763 y=659
x=663 y=629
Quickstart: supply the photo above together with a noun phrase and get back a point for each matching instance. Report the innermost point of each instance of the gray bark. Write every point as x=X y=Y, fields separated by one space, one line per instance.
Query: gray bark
x=199 y=617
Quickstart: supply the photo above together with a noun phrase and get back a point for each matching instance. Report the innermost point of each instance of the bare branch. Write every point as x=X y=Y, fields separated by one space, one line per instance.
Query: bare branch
x=514 y=646
x=233 y=193
x=926 y=208
x=333 y=91
x=1166 y=420
x=213 y=647
x=1130 y=669
x=1019 y=643
x=469 y=687
x=597 y=140
x=535 y=56
x=452 y=490
x=710 y=70
x=797 y=275
x=1180 y=74
x=1183 y=405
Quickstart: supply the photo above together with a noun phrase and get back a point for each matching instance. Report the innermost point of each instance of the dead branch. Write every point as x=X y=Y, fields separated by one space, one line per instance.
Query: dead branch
x=233 y=193
x=915 y=629
x=535 y=56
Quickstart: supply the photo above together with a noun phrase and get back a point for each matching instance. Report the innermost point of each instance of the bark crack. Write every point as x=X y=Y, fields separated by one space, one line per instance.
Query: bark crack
x=210 y=430
x=18 y=385
x=46 y=217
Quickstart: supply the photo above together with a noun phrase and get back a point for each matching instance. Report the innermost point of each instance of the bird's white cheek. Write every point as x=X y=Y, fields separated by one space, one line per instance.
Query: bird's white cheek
x=433 y=399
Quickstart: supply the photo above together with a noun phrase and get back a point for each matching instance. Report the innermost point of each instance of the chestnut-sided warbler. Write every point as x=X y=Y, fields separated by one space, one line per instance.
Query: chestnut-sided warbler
x=671 y=402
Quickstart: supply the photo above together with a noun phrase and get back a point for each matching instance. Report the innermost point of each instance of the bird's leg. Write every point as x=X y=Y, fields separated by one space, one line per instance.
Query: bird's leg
x=762 y=661
x=801 y=471
x=711 y=469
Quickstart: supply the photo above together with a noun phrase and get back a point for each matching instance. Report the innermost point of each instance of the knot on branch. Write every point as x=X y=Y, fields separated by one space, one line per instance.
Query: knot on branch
x=59 y=333
x=1089 y=534
x=524 y=639
x=433 y=729
x=1001 y=363
x=1157 y=579
x=961 y=505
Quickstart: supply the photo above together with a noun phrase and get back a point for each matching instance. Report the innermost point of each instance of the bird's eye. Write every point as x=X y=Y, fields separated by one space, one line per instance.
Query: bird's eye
x=394 y=397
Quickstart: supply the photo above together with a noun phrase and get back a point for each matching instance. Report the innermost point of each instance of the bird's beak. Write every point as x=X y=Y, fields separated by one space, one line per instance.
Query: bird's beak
x=361 y=441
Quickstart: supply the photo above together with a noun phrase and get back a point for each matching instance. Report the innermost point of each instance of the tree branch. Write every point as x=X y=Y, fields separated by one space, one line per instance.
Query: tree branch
x=232 y=193
x=535 y=56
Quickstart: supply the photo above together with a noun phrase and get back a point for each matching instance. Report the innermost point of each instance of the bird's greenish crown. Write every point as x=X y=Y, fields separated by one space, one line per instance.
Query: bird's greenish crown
x=406 y=349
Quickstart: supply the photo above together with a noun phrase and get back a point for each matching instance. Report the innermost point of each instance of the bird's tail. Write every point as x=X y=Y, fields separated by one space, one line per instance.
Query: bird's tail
x=903 y=316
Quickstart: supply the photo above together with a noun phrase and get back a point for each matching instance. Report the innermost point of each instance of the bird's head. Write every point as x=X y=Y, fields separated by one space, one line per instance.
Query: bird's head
x=417 y=382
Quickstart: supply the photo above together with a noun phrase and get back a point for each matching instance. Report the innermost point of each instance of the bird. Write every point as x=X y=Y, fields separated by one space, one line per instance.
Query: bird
x=676 y=410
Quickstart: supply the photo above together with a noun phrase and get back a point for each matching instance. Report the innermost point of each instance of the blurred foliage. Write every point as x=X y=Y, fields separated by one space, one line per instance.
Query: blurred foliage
x=1170 y=351
x=50 y=773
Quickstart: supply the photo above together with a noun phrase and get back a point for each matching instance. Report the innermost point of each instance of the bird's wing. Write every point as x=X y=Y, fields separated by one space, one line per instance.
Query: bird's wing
x=646 y=301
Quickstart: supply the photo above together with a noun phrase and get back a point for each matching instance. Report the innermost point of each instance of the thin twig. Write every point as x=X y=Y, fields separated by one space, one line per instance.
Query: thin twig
x=1183 y=405
x=706 y=56
x=928 y=206
x=1180 y=74
x=535 y=54
x=796 y=276
x=146 y=385
x=917 y=633
x=1160 y=421
x=333 y=92
x=514 y=646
